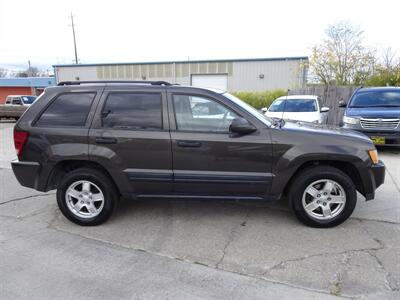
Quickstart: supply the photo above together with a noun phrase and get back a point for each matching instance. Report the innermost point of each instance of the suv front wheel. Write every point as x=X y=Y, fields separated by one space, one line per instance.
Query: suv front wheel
x=86 y=197
x=323 y=196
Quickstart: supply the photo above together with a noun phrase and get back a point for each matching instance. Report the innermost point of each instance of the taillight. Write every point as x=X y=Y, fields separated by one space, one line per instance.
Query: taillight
x=20 y=138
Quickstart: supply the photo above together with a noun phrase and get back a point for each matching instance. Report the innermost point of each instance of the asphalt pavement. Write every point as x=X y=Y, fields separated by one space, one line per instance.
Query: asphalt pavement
x=194 y=249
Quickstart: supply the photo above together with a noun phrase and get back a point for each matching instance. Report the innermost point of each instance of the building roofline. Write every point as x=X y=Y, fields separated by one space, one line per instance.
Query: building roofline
x=40 y=82
x=186 y=61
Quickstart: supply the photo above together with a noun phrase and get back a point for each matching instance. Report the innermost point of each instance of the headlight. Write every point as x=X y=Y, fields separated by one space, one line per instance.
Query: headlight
x=350 y=120
x=373 y=154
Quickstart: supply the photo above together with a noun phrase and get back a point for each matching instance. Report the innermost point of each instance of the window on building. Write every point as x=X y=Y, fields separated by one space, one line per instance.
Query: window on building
x=70 y=109
x=137 y=111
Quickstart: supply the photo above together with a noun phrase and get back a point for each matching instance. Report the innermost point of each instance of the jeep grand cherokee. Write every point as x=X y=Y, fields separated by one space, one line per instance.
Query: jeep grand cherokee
x=98 y=141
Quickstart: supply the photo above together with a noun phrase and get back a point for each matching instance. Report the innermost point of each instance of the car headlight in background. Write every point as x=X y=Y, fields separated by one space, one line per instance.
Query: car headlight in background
x=373 y=154
x=350 y=120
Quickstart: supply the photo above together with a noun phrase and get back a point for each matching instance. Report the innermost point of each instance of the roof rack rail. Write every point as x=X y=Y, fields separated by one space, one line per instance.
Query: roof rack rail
x=63 y=83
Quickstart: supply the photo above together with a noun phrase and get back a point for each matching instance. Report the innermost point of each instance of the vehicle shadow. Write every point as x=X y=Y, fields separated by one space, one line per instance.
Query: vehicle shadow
x=128 y=206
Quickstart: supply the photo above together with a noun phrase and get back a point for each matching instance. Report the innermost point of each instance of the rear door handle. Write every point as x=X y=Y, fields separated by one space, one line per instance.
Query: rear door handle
x=105 y=140
x=189 y=144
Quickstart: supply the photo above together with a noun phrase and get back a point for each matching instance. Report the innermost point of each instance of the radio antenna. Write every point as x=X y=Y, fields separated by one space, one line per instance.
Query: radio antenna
x=284 y=104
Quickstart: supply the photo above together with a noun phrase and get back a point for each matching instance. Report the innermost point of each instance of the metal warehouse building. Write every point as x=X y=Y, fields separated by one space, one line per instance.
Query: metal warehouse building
x=232 y=75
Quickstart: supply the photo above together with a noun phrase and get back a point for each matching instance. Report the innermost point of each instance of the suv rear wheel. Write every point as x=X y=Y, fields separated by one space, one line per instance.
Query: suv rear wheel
x=323 y=196
x=86 y=197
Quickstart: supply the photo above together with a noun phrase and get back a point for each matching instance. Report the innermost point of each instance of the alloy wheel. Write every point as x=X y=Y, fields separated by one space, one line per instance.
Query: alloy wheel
x=324 y=199
x=84 y=199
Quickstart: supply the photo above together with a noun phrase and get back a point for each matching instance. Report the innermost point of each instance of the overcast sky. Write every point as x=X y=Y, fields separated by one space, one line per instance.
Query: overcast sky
x=130 y=31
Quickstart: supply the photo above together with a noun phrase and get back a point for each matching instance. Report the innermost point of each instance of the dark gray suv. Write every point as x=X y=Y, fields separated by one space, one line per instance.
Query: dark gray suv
x=98 y=141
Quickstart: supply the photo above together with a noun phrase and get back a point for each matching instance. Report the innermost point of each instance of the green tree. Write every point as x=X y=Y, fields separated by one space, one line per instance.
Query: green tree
x=341 y=58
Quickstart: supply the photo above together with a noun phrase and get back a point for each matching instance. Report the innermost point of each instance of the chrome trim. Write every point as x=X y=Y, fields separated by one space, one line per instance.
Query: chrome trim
x=379 y=123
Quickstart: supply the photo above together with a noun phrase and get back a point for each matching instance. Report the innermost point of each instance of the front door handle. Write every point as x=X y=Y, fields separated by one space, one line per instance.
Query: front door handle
x=189 y=144
x=105 y=140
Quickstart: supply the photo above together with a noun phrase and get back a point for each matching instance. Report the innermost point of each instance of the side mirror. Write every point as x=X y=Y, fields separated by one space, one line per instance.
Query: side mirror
x=241 y=126
x=264 y=109
x=342 y=103
x=324 y=109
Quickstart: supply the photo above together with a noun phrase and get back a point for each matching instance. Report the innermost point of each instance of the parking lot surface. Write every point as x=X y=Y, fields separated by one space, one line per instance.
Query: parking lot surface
x=195 y=250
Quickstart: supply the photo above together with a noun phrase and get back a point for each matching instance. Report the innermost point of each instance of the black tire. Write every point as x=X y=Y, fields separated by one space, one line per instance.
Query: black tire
x=314 y=174
x=102 y=182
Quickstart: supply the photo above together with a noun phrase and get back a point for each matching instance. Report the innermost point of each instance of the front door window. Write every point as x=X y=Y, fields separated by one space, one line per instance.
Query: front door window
x=201 y=114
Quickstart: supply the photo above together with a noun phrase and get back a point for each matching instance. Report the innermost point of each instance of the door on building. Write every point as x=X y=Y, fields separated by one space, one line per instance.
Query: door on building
x=215 y=81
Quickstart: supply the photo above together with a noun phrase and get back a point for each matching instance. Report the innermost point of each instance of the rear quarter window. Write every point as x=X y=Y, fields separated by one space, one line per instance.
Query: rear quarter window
x=69 y=109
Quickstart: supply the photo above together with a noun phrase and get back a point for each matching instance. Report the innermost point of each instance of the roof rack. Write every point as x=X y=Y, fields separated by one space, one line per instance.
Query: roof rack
x=63 y=83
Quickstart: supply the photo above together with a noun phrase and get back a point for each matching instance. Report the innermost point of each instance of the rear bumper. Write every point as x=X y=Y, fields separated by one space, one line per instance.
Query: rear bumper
x=30 y=174
x=377 y=178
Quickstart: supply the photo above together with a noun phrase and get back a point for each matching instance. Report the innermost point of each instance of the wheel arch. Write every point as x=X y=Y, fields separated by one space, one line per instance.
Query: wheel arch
x=65 y=166
x=345 y=166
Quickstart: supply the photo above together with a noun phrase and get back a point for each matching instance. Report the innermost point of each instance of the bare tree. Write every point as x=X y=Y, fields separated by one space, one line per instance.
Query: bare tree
x=388 y=59
x=3 y=72
x=342 y=58
x=387 y=70
x=33 y=72
x=21 y=74
x=29 y=72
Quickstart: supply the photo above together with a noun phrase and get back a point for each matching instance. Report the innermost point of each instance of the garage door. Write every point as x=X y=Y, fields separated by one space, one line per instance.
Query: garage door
x=219 y=82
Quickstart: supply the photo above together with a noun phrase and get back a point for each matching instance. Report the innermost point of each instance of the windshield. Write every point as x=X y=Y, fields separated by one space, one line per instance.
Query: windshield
x=293 y=105
x=267 y=121
x=28 y=99
x=376 y=98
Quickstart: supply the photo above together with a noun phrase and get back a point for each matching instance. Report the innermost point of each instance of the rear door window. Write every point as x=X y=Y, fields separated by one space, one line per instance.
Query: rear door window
x=69 y=109
x=16 y=101
x=135 y=111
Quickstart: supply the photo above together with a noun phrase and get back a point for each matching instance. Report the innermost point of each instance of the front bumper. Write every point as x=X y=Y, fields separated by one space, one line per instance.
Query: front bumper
x=392 y=138
x=377 y=178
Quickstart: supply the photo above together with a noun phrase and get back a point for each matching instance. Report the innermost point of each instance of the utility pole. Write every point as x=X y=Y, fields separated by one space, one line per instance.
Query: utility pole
x=73 y=33
x=29 y=68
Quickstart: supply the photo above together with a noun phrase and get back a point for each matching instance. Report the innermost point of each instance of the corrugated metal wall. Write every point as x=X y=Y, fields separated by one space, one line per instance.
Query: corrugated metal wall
x=266 y=75
x=170 y=71
x=242 y=75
